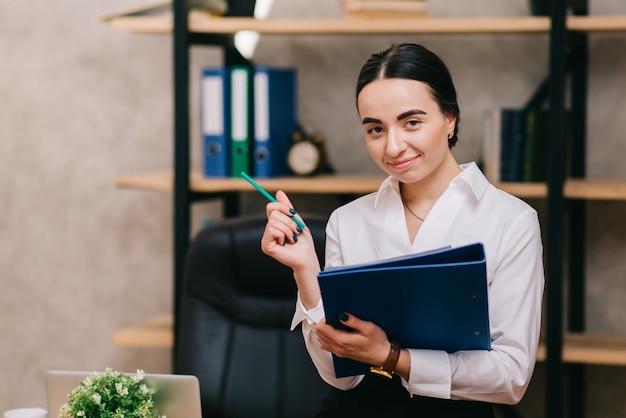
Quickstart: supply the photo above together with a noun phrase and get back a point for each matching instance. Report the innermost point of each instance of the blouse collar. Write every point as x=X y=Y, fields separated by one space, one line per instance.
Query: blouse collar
x=470 y=175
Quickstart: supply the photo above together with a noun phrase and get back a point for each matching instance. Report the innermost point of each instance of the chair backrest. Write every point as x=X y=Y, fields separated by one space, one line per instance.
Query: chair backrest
x=236 y=310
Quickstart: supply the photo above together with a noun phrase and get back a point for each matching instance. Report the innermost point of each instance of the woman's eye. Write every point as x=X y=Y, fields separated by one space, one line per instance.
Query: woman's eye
x=375 y=130
x=412 y=123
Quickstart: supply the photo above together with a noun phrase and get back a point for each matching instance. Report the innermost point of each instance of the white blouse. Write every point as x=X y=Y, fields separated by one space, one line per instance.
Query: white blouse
x=471 y=210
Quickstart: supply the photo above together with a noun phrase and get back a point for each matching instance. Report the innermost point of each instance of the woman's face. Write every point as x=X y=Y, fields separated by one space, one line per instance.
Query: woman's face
x=405 y=130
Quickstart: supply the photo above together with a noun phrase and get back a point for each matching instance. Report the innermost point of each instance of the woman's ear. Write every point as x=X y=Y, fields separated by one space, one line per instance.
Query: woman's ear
x=451 y=124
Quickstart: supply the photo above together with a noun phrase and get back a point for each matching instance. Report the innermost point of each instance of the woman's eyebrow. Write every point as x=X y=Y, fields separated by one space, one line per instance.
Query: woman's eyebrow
x=399 y=117
x=410 y=113
x=370 y=120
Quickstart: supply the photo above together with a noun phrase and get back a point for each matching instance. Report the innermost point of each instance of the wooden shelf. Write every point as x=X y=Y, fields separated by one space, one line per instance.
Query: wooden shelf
x=201 y=23
x=326 y=184
x=525 y=190
x=323 y=184
x=597 y=23
x=156 y=332
x=595 y=189
x=359 y=184
x=161 y=181
x=572 y=189
x=597 y=349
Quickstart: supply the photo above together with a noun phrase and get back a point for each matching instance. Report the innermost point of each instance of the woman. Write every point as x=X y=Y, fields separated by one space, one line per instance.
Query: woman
x=407 y=104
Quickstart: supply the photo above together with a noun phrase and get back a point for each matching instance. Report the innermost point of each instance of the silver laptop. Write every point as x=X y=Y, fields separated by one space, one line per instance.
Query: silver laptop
x=176 y=396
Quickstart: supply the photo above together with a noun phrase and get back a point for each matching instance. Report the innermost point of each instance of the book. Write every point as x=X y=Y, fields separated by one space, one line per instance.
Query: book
x=490 y=163
x=535 y=149
x=158 y=8
x=435 y=300
x=384 y=14
x=512 y=136
x=275 y=119
x=215 y=121
x=164 y=8
x=398 y=6
x=240 y=119
x=515 y=144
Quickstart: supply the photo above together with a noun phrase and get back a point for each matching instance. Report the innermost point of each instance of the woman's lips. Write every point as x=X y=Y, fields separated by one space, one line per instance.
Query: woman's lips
x=402 y=164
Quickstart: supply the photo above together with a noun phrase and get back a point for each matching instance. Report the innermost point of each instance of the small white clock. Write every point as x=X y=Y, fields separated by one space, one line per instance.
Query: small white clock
x=307 y=155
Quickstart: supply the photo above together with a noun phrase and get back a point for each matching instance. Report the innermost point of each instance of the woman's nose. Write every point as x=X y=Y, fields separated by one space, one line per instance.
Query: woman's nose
x=395 y=143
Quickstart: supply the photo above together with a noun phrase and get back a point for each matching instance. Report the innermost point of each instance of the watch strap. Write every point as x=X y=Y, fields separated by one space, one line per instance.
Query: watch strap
x=389 y=367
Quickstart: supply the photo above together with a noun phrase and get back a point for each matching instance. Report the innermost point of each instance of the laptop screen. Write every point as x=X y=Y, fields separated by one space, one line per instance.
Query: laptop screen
x=176 y=396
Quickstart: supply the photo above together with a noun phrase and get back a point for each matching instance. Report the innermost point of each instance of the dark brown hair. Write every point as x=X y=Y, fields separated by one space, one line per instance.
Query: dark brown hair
x=414 y=62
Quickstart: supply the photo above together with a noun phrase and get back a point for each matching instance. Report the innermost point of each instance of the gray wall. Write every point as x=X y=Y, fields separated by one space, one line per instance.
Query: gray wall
x=81 y=104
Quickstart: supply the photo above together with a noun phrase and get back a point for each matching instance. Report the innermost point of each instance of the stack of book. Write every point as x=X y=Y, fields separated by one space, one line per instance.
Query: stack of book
x=385 y=8
x=516 y=144
x=248 y=116
x=164 y=8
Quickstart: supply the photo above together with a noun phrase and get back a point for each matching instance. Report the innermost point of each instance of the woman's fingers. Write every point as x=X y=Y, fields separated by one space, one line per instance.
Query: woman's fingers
x=277 y=232
x=366 y=342
x=283 y=198
x=280 y=214
x=281 y=231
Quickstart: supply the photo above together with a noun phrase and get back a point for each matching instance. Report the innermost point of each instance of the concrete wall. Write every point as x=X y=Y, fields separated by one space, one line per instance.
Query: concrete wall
x=81 y=104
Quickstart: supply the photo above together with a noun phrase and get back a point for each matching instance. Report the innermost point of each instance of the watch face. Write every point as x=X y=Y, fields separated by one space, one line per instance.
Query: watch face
x=303 y=158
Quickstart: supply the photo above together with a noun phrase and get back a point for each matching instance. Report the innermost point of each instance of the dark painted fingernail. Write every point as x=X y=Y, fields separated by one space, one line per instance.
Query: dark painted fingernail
x=343 y=316
x=295 y=238
x=299 y=229
x=292 y=211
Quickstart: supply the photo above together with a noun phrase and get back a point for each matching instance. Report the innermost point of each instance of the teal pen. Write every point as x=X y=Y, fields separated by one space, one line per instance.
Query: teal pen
x=269 y=196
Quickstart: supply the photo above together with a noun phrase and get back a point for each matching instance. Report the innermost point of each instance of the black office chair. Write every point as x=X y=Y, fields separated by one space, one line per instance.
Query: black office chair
x=236 y=308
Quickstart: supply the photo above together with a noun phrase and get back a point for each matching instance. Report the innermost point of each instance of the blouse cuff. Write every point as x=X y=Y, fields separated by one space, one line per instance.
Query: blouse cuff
x=312 y=316
x=430 y=374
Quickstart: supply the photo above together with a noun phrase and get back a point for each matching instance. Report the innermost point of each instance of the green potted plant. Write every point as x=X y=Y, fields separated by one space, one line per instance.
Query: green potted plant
x=111 y=395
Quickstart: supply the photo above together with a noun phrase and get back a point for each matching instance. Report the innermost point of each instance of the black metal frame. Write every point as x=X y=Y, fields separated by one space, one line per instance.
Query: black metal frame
x=554 y=247
x=568 y=51
x=578 y=63
x=183 y=196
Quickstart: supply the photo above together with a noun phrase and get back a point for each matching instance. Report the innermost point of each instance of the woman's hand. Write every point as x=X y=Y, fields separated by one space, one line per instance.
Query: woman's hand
x=368 y=343
x=285 y=241
x=281 y=232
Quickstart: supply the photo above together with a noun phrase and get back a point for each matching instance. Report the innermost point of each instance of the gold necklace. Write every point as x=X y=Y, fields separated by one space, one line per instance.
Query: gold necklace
x=407 y=206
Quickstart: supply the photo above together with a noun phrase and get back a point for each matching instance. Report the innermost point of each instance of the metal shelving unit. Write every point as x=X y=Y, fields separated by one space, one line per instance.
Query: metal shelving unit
x=566 y=348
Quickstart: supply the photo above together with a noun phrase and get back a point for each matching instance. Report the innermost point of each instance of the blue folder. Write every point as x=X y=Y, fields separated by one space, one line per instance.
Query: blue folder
x=275 y=119
x=435 y=300
x=215 y=119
